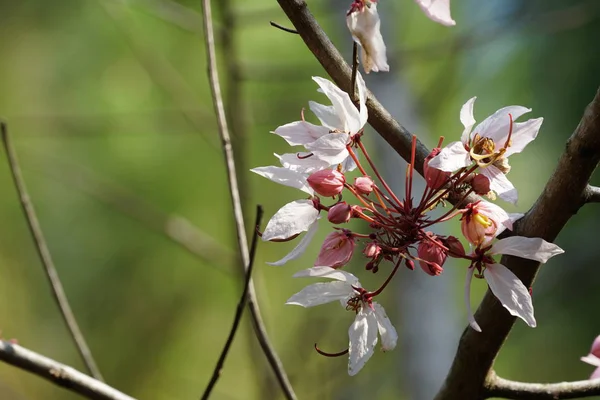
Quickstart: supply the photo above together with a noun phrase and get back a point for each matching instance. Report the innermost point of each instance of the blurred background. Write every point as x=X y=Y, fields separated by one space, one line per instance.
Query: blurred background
x=111 y=116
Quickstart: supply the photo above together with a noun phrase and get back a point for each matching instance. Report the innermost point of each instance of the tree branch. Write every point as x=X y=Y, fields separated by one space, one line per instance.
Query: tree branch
x=561 y=199
x=57 y=373
x=42 y=249
x=257 y=321
x=591 y=194
x=500 y=387
x=239 y=310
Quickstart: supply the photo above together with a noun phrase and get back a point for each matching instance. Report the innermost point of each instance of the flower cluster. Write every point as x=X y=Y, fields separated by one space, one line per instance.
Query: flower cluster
x=399 y=231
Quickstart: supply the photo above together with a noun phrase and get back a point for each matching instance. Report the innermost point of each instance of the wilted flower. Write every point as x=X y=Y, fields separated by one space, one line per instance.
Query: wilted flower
x=594 y=358
x=437 y=10
x=503 y=283
x=337 y=249
x=370 y=316
x=363 y=22
x=489 y=145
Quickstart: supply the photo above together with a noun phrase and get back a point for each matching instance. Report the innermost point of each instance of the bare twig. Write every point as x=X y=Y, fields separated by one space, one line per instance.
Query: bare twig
x=283 y=28
x=591 y=194
x=42 y=249
x=500 y=387
x=236 y=203
x=57 y=373
x=354 y=70
x=239 y=310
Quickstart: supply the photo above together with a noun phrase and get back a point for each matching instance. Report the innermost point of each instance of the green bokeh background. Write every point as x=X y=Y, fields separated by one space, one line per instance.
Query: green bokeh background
x=110 y=112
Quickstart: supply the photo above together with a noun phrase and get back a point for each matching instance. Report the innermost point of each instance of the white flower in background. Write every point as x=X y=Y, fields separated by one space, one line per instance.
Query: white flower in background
x=437 y=10
x=363 y=22
x=504 y=284
x=326 y=144
x=370 y=316
x=489 y=145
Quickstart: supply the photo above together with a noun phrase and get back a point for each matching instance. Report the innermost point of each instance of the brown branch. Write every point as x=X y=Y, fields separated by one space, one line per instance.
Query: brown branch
x=256 y=317
x=239 y=310
x=560 y=200
x=57 y=373
x=42 y=249
x=500 y=387
x=591 y=194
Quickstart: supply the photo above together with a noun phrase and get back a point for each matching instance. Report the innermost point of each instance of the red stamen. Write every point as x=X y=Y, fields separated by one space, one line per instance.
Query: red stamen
x=510 y=131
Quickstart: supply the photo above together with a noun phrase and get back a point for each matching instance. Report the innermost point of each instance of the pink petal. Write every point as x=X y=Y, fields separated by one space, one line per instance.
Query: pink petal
x=511 y=292
x=531 y=248
x=363 y=338
x=437 y=10
x=291 y=219
x=470 y=315
x=301 y=132
x=500 y=184
x=592 y=360
x=300 y=248
x=596 y=374
x=451 y=158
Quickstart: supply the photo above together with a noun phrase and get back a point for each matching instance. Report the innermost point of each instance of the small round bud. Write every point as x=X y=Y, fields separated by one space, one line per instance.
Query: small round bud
x=410 y=264
x=363 y=184
x=455 y=247
x=339 y=213
x=372 y=250
x=481 y=184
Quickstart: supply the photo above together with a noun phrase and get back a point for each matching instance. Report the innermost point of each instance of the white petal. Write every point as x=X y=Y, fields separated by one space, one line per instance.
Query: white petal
x=467 y=119
x=321 y=293
x=365 y=29
x=497 y=125
x=326 y=114
x=500 y=184
x=301 y=132
x=328 y=272
x=389 y=336
x=284 y=176
x=451 y=158
x=512 y=218
x=511 y=292
x=592 y=360
x=345 y=110
x=330 y=148
x=523 y=134
x=470 y=315
x=363 y=338
x=437 y=10
x=306 y=164
x=301 y=247
x=293 y=218
x=362 y=99
x=531 y=248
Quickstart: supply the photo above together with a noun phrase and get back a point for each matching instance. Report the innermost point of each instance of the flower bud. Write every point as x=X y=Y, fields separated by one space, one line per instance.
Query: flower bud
x=455 y=247
x=337 y=249
x=434 y=177
x=328 y=182
x=363 y=184
x=432 y=256
x=410 y=264
x=481 y=184
x=596 y=347
x=339 y=213
x=372 y=250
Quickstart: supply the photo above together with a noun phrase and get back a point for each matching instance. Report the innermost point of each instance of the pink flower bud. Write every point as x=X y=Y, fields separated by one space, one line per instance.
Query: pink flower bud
x=481 y=184
x=337 y=249
x=410 y=264
x=434 y=177
x=339 y=213
x=596 y=347
x=432 y=256
x=454 y=246
x=328 y=182
x=372 y=250
x=363 y=184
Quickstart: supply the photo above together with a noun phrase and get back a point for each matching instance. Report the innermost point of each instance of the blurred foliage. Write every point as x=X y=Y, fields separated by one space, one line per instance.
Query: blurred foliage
x=119 y=89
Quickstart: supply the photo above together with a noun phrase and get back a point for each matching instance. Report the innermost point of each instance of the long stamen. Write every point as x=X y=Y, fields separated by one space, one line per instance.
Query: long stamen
x=323 y=353
x=510 y=131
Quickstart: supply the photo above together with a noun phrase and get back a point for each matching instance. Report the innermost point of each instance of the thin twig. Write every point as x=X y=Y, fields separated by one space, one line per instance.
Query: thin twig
x=239 y=310
x=236 y=203
x=591 y=194
x=500 y=387
x=42 y=249
x=354 y=71
x=57 y=373
x=283 y=28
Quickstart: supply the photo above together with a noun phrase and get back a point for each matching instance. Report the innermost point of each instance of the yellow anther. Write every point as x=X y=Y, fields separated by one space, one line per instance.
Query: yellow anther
x=483 y=220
